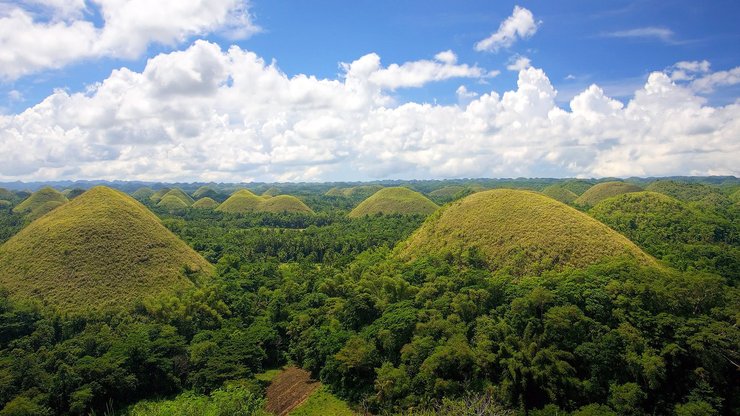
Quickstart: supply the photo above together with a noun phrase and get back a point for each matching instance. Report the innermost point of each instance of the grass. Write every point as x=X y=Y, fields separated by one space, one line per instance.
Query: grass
x=519 y=232
x=172 y=203
x=362 y=191
x=205 y=203
x=204 y=191
x=268 y=375
x=322 y=403
x=103 y=249
x=38 y=202
x=446 y=193
x=179 y=194
x=273 y=191
x=243 y=201
x=143 y=194
x=397 y=200
x=561 y=194
x=604 y=190
x=159 y=194
x=577 y=186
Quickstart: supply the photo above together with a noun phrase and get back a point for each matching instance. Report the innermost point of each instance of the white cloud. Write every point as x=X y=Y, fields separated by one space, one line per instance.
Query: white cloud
x=62 y=35
x=661 y=33
x=710 y=82
x=520 y=25
x=517 y=63
x=208 y=114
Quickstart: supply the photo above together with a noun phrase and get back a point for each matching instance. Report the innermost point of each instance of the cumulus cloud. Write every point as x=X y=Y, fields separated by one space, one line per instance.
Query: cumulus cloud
x=520 y=25
x=63 y=32
x=209 y=114
x=517 y=63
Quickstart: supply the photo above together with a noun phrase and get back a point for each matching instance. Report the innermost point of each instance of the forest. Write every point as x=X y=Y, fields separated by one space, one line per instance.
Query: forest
x=472 y=309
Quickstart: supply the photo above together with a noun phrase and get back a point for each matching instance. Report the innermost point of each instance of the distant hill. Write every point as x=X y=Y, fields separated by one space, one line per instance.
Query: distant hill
x=102 y=249
x=73 y=193
x=604 y=190
x=159 y=194
x=241 y=201
x=450 y=193
x=204 y=191
x=179 y=194
x=172 y=203
x=40 y=202
x=361 y=191
x=577 y=186
x=558 y=193
x=397 y=200
x=273 y=191
x=520 y=232
x=6 y=195
x=687 y=192
x=284 y=203
x=143 y=194
x=205 y=203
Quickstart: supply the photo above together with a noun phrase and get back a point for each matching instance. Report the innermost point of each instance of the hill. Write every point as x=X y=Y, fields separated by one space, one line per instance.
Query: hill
x=520 y=232
x=558 y=193
x=205 y=203
x=687 y=192
x=284 y=203
x=241 y=201
x=394 y=201
x=6 y=195
x=448 y=193
x=172 y=203
x=577 y=186
x=102 y=249
x=179 y=194
x=40 y=202
x=362 y=191
x=604 y=190
x=73 y=193
x=143 y=194
x=159 y=194
x=273 y=191
x=204 y=191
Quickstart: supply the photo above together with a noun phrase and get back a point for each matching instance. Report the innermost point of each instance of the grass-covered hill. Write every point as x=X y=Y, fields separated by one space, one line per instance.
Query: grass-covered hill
x=450 y=193
x=73 y=192
x=40 y=202
x=604 y=190
x=361 y=191
x=683 y=191
x=205 y=203
x=102 y=249
x=520 y=232
x=284 y=203
x=241 y=201
x=272 y=191
x=205 y=191
x=671 y=230
x=172 y=203
x=6 y=195
x=143 y=193
x=577 y=186
x=179 y=194
x=397 y=200
x=559 y=193
x=159 y=194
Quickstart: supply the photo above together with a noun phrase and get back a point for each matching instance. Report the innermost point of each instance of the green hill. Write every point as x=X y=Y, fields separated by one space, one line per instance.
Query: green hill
x=172 y=203
x=558 y=193
x=284 y=203
x=143 y=194
x=394 y=201
x=179 y=194
x=159 y=194
x=577 y=186
x=273 y=191
x=204 y=191
x=40 y=202
x=687 y=192
x=362 y=191
x=102 y=249
x=73 y=193
x=6 y=195
x=448 y=193
x=520 y=232
x=241 y=201
x=5 y=204
x=205 y=203
x=604 y=190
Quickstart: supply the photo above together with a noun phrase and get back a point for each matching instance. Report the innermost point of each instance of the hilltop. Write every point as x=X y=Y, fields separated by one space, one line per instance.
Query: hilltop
x=40 y=202
x=520 y=232
x=361 y=191
x=577 y=186
x=451 y=192
x=143 y=193
x=396 y=200
x=159 y=194
x=205 y=203
x=284 y=203
x=604 y=190
x=102 y=249
x=205 y=191
x=172 y=203
x=241 y=201
x=179 y=194
x=559 y=193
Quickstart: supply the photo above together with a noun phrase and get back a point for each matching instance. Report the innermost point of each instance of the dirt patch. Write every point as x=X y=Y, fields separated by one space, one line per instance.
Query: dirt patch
x=289 y=389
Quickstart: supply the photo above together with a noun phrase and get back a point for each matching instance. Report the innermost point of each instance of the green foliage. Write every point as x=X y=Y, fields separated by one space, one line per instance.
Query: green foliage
x=284 y=203
x=322 y=403
x=518 y=232
x=73 y=193
x=229 y=401
x=40 y=202
x=101 y=249
x=394 y=201
x=604 y=190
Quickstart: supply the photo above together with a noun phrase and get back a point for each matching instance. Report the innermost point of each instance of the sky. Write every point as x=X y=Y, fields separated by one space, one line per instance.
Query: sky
x=239 y=91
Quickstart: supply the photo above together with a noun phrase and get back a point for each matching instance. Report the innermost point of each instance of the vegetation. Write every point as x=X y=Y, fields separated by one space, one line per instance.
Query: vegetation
x=361 y=192
x=159 y=194
x=604 y=190
x=450 y=193
x=322 y=403
x=73 y=193
x=143 y=194
x=6 y=195
x=205 y=203
x=229 y=401
x=284 y=203
x=272 y=191
x=172 y=203
x=102 y=249
x=240 y=202
x=559 y=193
x=396 y=200
x=179 y=194
x=41 y=202
x=518 y=232
x=577 y=186
x=205 y=191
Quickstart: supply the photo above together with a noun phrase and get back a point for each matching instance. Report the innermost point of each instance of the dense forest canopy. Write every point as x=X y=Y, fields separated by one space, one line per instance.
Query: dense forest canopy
x=479 y=320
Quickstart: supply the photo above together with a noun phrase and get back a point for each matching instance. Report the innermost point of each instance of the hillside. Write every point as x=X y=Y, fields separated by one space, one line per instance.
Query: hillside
x=172 y=203
x=241 y=201
x=520 y=232
x=143 y=194
x=396 y=200
x=6 y=195
x=284 y=203
x=687 y=192
x=159 y=194
x=577 y=186
x=40 y=202
x=179 y=194
x=447 y=193
x=361 y=191
x=558 y=193
x=204 y=191
x=102 y=249
x=73 y=193
x=272 y=191
x=205 y=203
x=604 y=190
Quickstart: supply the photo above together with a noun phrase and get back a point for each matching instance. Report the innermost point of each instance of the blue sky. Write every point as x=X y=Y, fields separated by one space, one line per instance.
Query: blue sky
x=614 y=44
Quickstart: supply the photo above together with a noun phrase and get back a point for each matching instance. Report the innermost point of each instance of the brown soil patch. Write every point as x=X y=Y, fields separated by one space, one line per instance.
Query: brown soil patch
x=289 y=389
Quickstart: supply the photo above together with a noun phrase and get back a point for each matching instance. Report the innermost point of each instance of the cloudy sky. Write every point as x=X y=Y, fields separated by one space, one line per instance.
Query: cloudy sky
x=234 y=90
